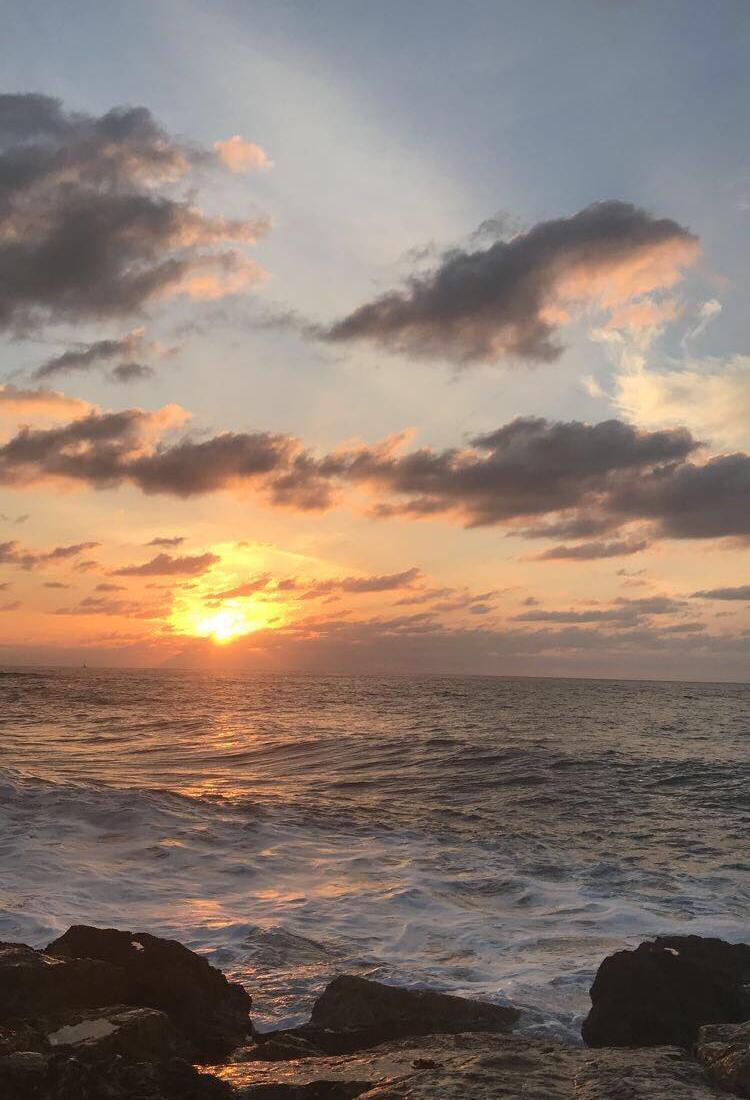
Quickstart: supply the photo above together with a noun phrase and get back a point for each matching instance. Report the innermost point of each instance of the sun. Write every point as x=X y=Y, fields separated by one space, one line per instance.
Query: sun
x=224 y=625
x=233 y=619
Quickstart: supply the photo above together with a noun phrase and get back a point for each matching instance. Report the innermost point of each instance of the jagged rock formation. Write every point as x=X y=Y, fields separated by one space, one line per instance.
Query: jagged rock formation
x=112 y=1015
x=665 y=990
x=209 y=1012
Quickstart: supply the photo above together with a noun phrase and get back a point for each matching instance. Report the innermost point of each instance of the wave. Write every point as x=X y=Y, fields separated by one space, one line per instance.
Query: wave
x=283 y=902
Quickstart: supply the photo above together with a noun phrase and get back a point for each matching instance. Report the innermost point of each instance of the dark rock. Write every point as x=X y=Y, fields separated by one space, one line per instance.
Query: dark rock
x=209 y=1011
x=314 y=1090
x=663 y=991
x=479 y=1066
x=355 y=1013
x=31 y=1076
x=725 y=1051
x=352 y=1002
x=34 y=984
x=661 y=1073
x=138 y=1034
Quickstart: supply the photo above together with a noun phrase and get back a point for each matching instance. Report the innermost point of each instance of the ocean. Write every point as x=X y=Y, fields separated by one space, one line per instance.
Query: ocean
x=493 y=837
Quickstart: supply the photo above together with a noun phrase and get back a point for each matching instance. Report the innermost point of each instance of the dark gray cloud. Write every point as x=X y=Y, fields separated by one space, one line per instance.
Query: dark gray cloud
x=741 y=592
x=85 y=356
x=12 y=553
x=625 y=612
x=572 y=475
x=131 y=372
x=653 y=605
x=506 y=299
x=101 y=605
x=589 y=615
x=90 y=227
x=167 y=541
x=591 y=551
x=165 y=565
x=689 y=500
x=384 y=582
x=85 y=566
x=529 y=467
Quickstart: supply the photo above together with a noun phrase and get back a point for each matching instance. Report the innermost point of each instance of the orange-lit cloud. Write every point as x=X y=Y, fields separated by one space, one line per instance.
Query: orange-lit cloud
x=239 y=155
x=91 y=226
x=511 y=298
x=41 y=404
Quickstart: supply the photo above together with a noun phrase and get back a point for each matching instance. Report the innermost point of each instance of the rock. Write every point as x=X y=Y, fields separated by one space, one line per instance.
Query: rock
x=355 y=1013
x=138 y=1034
x=315 y=1090
x=663 y=991
x=34 y=984
x=352 y=1002
x=435 y=1067
x=30 y=1076
x=477 y=1066
x=210 y=1012
x=660 y=1073
x=725 y=1051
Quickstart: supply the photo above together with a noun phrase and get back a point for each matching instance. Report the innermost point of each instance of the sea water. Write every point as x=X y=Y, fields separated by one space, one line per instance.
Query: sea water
x=493 y=837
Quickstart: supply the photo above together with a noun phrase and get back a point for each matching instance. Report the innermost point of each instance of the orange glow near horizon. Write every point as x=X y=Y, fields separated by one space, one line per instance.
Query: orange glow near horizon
x=233 y=619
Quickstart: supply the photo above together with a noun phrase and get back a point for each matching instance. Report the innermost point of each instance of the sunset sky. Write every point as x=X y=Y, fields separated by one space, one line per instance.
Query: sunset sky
x=376 y=337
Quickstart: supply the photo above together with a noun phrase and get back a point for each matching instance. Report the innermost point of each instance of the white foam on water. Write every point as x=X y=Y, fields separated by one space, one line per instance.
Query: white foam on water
x=284 y=906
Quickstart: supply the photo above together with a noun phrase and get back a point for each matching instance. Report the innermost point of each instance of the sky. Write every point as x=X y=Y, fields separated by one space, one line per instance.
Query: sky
x=408 y=337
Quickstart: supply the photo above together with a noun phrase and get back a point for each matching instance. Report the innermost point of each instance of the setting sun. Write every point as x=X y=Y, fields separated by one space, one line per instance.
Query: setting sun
x=224 y=624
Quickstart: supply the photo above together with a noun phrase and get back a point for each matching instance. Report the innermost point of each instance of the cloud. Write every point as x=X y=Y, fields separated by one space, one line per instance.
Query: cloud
x=511 y=298
x=653 y=605
x=247 y=588
x=711 y=397
x=100 y=605
x=687 y=500
x=591 y=551
x=572 y=475
x=131 y=372
x=167 y=541
x=529 y=467
x=384 y=582
x=593 y=615
x=12 y=553
x=741 y=592
x=85 y=356
x=90 y=227
x=165 y=565
x=242 y=156
x=48 y=404
x=14 y=605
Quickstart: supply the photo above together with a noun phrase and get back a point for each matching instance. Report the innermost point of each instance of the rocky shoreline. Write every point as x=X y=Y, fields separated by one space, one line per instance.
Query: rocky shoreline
x=105 y=1014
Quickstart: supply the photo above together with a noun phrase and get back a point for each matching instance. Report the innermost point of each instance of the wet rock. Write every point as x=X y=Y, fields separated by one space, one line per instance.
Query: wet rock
x=663 y=991
x=354 y=1013
x=725 y=1051
x=138 y=1034
x=479 y=1066
x=32 y=1076
x=660 y=1073
x=210 y=1012
x=436 y=1067
x=34 y=984
x=315 y=1090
